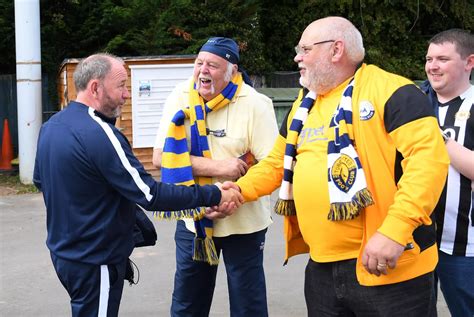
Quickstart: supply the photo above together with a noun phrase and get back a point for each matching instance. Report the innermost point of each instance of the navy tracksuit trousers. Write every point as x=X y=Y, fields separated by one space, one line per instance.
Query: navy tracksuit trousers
x=95 y=290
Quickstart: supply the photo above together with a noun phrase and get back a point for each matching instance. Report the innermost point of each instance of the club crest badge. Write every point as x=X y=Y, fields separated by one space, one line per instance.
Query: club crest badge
x=366 y=110
x=344 y=172
x=462 y=115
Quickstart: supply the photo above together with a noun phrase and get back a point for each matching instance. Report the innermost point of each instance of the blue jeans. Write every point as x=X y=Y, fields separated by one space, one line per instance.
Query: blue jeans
x=194 y=282
x=456 y=277
x=332 y=289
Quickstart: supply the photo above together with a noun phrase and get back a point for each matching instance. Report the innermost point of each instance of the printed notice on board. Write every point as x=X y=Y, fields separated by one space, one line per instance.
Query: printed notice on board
x=150 y=86
x=144 y=88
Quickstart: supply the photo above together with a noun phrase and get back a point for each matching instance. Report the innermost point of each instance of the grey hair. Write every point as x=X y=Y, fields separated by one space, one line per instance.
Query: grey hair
x=356 y=51
x=463 y=41
x=96 y=66
x=341 y=28
x=228 y=72
x=352 y=40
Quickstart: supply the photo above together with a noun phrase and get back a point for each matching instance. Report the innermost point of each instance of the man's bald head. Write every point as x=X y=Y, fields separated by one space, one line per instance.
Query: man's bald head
x=338 y=28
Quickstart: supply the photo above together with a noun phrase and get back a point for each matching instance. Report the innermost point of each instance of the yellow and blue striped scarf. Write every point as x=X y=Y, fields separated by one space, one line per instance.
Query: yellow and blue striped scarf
x=348 y=192
x=176 y=162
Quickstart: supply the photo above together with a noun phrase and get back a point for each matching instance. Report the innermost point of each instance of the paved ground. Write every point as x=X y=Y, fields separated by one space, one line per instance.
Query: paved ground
x=29 y=286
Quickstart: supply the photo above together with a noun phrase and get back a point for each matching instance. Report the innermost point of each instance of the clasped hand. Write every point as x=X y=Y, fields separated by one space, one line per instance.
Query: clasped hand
x=231 y=200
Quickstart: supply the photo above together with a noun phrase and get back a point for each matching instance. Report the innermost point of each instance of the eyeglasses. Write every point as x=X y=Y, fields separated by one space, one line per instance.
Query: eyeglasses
x=217 y=133
x=304 y=49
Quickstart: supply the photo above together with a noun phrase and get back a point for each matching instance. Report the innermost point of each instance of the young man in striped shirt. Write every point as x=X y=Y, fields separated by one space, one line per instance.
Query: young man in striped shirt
x=449 y=62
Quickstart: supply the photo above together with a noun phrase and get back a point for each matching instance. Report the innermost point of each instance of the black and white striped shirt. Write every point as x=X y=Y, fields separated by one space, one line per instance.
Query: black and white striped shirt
x=455 y=209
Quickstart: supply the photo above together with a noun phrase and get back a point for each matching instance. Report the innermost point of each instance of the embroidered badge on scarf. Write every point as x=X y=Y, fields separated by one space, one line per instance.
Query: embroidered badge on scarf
x=348 y=192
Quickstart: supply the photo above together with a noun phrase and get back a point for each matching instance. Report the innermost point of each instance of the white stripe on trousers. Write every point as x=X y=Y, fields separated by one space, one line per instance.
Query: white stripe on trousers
x=104 y=291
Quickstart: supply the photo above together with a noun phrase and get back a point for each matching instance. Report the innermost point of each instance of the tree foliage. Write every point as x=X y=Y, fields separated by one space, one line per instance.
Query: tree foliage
x=7 y=37
x=395 y=32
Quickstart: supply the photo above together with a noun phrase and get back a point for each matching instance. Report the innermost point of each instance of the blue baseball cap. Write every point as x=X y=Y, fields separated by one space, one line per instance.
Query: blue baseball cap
x=223 y=47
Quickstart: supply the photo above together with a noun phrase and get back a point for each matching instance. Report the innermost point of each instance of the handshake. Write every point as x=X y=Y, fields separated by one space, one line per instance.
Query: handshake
x=231 y=200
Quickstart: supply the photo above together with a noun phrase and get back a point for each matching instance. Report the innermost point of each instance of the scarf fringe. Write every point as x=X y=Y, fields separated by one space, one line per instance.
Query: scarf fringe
x=196 y=214
x=285 y=207
x=205 y=251
x=350 y=210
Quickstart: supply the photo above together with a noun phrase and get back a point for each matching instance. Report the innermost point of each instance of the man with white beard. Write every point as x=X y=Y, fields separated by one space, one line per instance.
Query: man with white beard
x=361 y=165
x=220 y=124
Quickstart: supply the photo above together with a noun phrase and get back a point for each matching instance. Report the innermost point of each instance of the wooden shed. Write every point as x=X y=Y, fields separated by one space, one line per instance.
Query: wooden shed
x=150 y=80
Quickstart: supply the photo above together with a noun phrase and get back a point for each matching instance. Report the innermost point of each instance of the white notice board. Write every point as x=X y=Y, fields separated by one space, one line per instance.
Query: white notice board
x=151 y=85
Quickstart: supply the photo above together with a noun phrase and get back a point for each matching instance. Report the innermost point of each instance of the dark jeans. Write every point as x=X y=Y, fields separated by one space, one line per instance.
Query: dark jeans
x=332 y=289
x=194 y=282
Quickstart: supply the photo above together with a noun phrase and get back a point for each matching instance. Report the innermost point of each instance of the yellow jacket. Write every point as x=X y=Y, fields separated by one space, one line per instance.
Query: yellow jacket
x=405 y=163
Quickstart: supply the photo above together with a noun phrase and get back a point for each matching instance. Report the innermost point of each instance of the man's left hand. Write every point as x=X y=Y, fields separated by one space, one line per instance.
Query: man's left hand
x=214 y=213
x=380 y=254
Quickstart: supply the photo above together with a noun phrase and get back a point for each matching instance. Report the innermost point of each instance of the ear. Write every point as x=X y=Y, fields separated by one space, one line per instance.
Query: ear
x=337 y=50
x=94 y=87
x=235 y=67
x=470 y=62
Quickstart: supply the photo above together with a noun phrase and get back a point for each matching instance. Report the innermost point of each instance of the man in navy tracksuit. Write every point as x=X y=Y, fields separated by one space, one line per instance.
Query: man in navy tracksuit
x=91 y=183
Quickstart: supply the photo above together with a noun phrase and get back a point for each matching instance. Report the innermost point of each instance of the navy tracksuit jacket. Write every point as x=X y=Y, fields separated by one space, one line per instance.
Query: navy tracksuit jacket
x=91 y=181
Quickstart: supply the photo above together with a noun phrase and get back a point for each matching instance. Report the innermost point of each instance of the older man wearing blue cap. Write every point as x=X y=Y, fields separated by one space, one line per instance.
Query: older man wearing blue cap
x=214 y=126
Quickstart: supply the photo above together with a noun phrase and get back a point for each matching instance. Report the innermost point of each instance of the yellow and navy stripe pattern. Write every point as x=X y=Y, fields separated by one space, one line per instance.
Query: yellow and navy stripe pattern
x=176 y=162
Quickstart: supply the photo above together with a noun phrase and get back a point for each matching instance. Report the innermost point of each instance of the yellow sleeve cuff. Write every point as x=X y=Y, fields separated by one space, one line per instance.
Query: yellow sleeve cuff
x=397 y=229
